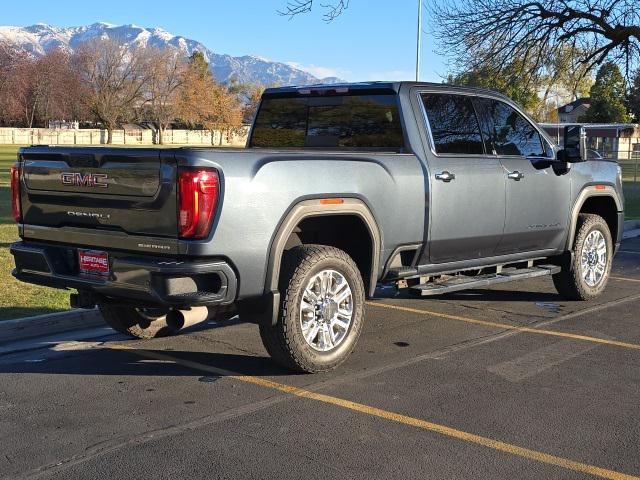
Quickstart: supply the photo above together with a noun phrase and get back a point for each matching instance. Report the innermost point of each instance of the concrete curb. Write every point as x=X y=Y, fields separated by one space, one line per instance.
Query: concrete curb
x=48 y=324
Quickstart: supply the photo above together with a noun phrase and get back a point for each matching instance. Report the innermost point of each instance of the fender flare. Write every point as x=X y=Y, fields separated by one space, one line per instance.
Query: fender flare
x=314 y=208
x=586 y=193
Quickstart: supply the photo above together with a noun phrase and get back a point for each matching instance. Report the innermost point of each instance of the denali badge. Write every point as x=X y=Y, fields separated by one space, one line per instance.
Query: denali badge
x=106 y=216
x=77 y=179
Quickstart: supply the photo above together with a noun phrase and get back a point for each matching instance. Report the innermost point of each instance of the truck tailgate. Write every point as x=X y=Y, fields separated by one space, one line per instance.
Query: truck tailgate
x=116 y=192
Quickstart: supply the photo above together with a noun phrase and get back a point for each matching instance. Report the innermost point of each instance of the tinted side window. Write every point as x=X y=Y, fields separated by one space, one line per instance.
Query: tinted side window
x=340 y=122
x=453 y=122
x=507 y=132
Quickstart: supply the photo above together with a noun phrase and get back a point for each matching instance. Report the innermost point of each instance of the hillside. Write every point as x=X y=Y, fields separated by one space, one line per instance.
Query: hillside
x=38 y=39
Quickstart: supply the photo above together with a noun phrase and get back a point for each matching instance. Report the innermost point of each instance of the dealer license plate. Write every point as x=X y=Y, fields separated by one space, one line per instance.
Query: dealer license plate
x=95 y=262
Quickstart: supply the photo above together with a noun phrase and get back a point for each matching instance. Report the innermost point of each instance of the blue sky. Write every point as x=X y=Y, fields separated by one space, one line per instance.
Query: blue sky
x=373 y=40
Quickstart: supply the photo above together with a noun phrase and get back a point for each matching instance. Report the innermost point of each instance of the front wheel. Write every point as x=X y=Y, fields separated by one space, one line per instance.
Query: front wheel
x=321 y=311
x=585 y=276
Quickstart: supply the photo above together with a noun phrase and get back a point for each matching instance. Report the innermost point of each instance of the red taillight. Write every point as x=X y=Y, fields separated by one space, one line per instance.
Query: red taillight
x=15 y=193
x=198 y=196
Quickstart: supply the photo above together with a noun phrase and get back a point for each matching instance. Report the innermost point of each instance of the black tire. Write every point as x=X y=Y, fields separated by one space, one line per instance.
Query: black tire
x=285 y=341
x=137 y=322
x=569 y=282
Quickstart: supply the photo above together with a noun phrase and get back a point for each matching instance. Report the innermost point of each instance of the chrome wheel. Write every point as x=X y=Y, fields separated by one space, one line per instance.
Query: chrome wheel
x=326 y=310
x=593 y=259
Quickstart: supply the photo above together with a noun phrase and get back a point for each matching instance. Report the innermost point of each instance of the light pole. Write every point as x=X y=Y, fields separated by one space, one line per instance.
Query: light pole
x=419 y=35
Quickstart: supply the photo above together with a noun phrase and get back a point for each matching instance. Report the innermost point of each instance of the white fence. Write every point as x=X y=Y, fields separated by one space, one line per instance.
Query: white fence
x=46 y=136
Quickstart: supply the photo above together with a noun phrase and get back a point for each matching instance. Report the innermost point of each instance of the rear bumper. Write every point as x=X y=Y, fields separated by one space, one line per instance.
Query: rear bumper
x=134 y=278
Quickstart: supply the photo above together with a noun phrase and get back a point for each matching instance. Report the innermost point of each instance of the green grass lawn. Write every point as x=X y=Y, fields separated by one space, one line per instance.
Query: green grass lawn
x=19 y=299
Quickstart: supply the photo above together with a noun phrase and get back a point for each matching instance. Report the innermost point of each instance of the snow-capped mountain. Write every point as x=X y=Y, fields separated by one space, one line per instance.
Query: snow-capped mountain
x=38 y=39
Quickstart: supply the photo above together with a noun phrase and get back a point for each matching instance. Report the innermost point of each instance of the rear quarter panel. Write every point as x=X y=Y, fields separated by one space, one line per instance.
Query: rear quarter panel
x=259 y=187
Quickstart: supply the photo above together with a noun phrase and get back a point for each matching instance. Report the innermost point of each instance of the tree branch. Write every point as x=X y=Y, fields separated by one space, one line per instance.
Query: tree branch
x=477 y=32
x=298 y=7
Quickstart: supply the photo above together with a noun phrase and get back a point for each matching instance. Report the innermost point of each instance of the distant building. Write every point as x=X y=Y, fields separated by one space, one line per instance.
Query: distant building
x=571 y=112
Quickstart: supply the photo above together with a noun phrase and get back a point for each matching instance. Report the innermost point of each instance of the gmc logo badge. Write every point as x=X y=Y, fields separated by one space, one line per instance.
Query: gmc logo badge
x=77 y=179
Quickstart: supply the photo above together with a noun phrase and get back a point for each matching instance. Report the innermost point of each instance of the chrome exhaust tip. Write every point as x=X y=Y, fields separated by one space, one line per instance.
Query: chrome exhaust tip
x=178 y=319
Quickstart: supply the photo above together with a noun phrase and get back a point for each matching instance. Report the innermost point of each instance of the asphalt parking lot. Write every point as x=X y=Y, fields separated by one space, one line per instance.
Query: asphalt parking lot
x=508 y=382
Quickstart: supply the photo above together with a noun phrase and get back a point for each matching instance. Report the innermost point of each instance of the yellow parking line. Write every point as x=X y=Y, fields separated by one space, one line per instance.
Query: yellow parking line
x=394 y=417
x=624 y=279
x=506 y=326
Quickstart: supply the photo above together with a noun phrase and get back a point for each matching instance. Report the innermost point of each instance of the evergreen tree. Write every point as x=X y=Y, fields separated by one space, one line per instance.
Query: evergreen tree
x=607 y=97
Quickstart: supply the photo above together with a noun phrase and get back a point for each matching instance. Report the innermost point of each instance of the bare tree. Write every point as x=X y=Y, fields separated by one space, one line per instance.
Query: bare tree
x=166 y=71
x=7 y=60
x=36 y=90
x=297 y=7
x=477 y=32
x=116 y=78
x=24 y=87
x=59 y=88
x=10 y=58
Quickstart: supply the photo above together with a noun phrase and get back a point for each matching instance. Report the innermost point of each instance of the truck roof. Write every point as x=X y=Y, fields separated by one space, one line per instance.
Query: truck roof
x=373 y=86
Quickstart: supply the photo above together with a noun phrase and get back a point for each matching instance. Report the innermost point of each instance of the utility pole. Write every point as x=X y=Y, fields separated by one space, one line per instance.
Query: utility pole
x=419 y=36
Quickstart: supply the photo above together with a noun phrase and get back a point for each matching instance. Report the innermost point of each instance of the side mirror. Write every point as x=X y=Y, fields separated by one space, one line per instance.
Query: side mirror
x=575 y=144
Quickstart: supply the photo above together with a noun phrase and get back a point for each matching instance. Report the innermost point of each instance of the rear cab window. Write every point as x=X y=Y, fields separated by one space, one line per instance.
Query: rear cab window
x=342 y=122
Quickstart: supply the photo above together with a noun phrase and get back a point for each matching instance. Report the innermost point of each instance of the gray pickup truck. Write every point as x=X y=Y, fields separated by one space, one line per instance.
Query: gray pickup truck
x=341 y=188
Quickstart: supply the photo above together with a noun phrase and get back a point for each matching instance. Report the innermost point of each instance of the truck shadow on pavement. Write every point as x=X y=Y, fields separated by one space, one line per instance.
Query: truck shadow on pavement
x=502 y=296
x=101 y=360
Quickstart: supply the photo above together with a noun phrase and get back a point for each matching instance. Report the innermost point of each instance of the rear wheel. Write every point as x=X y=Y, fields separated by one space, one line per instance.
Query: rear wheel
x=585 y=276
x=137 y=322
x=321 y=311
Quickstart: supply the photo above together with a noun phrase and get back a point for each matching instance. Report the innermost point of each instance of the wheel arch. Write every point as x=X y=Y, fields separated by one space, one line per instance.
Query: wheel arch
x=601 y=200
x=318 y=210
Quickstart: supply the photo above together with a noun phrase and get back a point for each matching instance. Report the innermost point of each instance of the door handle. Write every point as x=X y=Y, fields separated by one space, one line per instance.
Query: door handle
x=517 y=176
x=445 y=176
